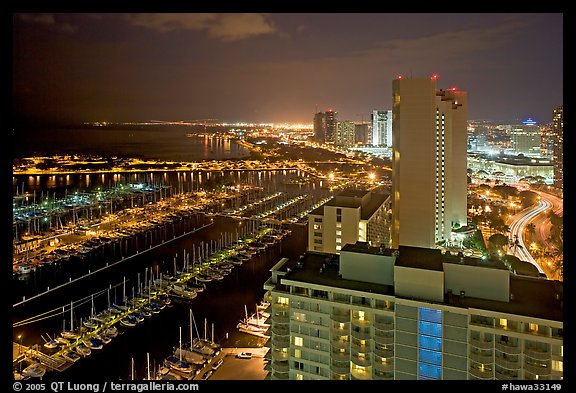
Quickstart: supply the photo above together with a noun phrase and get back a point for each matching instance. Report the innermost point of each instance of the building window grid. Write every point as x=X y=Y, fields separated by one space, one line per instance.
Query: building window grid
x=429 y=343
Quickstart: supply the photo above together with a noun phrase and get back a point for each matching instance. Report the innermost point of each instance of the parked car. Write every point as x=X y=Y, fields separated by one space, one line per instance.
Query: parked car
x=207 y=374
x=244 y=355
x=217 y=364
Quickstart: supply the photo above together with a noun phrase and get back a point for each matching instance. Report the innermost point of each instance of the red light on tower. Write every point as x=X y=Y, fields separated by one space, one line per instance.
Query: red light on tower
x=452 y=88
x=435 y=76
x=399 y=77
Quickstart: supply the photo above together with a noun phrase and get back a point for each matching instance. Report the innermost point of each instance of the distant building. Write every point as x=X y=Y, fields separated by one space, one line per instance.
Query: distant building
x=345 y=133
x=363 y=134
x=429 y=170
x=320 y=127
x=526 y=139
x=511 y=169
x=331 y=123
x=348 y=217
x=382 y=128
x=557 y=155
x=411 y=314
x=325 y=126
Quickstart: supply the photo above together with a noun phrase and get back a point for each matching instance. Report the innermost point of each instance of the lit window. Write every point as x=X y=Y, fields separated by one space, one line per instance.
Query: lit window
x=558 y=365
x=298 y=341
x=503 y=323
x=297 y=353
x=283 y=300
x=301 y=317
x=360 y=315
x=299 y=377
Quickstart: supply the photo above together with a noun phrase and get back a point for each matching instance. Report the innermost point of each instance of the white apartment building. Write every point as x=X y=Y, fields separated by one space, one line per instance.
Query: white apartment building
x=351 y=216
x=410 y=313
x=429 y=148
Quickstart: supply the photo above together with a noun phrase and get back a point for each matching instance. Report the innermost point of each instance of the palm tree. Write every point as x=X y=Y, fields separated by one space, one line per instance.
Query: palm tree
x=531 y=230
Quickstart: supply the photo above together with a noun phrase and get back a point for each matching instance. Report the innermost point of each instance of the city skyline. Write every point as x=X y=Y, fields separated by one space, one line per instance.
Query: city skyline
x=278 y=67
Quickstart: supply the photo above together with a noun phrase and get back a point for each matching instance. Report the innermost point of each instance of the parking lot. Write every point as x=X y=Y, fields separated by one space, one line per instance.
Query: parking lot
x=234 y=368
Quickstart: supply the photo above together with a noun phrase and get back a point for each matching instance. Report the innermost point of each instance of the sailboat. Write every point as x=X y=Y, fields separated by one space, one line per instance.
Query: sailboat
x=176 y=363
x=254 y=329
x=53 y=343
x=257 y=319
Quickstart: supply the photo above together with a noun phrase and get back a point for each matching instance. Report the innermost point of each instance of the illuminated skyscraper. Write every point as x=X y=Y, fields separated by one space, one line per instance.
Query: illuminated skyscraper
x=558 y=156
x=325 y=126
x=345 y=133
x=526 y=138
x=429 y=189
x=320 y=127
x=382 y=128
x=331 y=124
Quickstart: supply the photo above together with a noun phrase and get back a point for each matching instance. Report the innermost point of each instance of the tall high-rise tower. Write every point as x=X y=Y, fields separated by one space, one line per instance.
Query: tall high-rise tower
x=319 y=127
x=429 y=142
x=557 y=154
x=331 y=124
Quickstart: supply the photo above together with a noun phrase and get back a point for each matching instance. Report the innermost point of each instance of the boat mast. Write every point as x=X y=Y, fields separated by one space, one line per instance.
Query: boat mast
x=148 y=363
x=180 y=351
x=191 y=337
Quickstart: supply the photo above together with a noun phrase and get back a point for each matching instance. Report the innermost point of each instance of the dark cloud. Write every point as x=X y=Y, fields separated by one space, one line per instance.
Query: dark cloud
x=227 y=27
x=279 y=67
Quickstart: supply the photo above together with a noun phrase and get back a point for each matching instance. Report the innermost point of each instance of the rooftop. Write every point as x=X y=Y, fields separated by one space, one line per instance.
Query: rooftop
x=531 y=297
x=356 y=199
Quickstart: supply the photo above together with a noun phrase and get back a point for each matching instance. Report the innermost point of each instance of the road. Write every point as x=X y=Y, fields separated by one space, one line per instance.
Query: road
x=537 y=215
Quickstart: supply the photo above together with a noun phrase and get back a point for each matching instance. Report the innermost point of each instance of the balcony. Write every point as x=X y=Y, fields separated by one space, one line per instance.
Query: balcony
x=507 y=363
x=384 y=367
x=537 y=369
x=380 y=338
x=340 y=368
x=538 y=354
x=279 y=355
x=506 y=376
x=482 y=321
x=541 y=331
x=281 y=318
x=345 y=299
x=281 y=341
x=280 y=307
x=281 y=330
x=361 y=334
x=340 y=316
x=484 y=359
x=482 y=344
x=345 y=328
x=507 y=348
x=383 y=376
x=359 y=348
x=336 y=343
x=361 y=322
x=281 y=367
x=481 y=374
x=384 y=353
x=364 y=361
x=386 y=326
x=359 y=375
x=280 y=375
x=340 y=356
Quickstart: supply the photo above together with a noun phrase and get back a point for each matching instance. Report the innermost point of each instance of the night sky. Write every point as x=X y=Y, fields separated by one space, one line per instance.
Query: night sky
x=278 y=67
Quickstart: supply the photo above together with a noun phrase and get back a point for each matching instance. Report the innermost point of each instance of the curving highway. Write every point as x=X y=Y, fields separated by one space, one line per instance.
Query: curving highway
x=519 y=224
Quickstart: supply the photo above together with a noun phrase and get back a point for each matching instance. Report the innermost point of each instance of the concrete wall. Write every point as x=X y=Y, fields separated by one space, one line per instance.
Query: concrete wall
x=420 y=284
x=477 y=281
x=378 y=269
